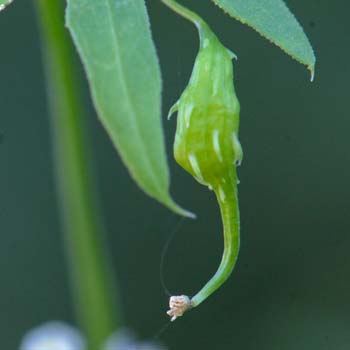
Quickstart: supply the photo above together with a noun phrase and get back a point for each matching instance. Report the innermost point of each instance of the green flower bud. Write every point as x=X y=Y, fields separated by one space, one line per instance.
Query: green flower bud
x=206 y=140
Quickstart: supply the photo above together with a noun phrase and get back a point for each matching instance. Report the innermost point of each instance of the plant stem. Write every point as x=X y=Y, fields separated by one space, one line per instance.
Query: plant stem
x=191 y=16
x=90 y=270
x=230 y=218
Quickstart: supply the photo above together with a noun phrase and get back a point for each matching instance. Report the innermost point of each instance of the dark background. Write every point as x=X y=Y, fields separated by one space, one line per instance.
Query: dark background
x=291 y=286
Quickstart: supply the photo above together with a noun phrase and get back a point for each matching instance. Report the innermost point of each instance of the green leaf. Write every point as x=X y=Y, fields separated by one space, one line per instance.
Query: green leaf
x=4 y=3
x=114 y=41
x=273 y=20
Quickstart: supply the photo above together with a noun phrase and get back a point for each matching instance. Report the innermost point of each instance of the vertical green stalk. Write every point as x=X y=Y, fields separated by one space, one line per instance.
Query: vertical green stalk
x=90 y=270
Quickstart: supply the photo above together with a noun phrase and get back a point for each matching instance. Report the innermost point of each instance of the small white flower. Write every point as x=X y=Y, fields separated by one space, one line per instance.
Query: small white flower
x=53 y=335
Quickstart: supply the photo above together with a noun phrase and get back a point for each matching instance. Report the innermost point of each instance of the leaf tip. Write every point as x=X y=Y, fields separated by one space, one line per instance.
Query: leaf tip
x=184 y=212
x=179 y=210
x=312 y=72
x=5 y=4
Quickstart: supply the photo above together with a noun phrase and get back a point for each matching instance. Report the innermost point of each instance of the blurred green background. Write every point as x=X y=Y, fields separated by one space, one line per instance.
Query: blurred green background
x=291 y=286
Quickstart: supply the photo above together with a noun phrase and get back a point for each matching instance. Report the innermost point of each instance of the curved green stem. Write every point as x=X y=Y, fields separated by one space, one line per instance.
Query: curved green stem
x=201 y=25
x=226 y=192
x=228 y=202
x=90 y=270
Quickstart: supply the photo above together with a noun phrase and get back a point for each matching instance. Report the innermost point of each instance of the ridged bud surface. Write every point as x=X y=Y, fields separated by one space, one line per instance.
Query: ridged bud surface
x=206 y=140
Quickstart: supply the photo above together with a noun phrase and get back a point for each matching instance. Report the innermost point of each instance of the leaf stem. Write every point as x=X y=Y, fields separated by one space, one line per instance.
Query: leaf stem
x=90 y=270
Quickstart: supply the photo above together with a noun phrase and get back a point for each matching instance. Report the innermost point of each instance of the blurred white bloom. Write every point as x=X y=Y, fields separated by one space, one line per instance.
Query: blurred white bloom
x=53 y=335
x=126 y=340
x=57 y=335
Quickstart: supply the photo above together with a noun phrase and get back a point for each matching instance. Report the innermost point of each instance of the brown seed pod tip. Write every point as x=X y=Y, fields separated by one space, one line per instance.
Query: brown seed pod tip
x=178 y=306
